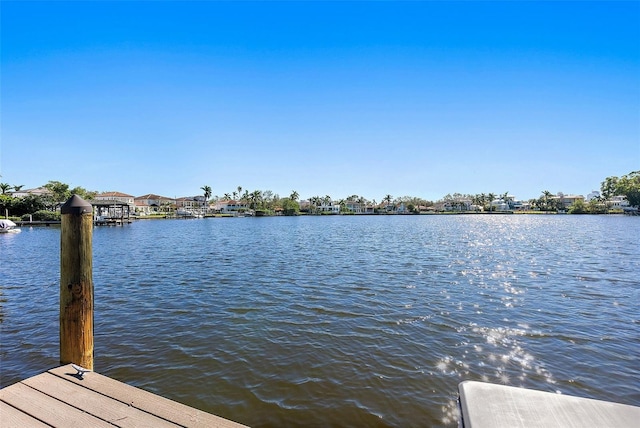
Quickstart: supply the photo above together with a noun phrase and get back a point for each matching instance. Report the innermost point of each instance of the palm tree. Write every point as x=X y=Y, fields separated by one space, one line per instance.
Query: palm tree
x=227 y=196
x=239 y=190
x=315 y=201
x=207 y=195
x=491 y=197
x=388 y=198
x=294 y=195
x=18 y=187
x=600 y=205
x=256 y=198
x=477 y=201
x=546 y=199
x=505 y=199
x=4 y=187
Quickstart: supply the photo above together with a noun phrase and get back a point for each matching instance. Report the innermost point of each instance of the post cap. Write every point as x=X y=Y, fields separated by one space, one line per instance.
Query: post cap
x=76 y=205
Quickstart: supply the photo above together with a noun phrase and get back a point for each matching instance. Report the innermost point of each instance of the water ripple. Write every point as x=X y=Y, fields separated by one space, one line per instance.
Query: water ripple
x=342 y=321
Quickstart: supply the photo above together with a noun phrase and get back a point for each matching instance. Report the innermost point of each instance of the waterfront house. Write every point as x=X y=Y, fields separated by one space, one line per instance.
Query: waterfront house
x=328 y=207
x=153 y=204
x=500 y=205
x=458 y=204
x=618 y=202
x=565 y=201
x=38 y=191
x=387 y=208
x=504 y=203
x=520 y=205
x=230 y=207
x=190 y=203
x=355 y=207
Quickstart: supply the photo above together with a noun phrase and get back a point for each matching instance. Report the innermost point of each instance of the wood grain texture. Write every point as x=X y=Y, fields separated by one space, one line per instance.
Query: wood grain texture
x=146 y=401
x=98 y=405
x=10 y=417
x=76 y=289
x=47 y=409
x=59 y=398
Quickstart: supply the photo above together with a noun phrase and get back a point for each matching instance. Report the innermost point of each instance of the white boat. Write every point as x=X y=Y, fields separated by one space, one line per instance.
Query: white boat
x=188 y=214
x=7 y=226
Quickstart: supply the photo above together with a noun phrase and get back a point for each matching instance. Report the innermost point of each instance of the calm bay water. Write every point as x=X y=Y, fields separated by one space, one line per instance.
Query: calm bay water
x=342 y=321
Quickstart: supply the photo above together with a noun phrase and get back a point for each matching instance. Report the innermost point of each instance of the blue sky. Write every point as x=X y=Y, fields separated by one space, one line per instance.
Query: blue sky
x=337 y=98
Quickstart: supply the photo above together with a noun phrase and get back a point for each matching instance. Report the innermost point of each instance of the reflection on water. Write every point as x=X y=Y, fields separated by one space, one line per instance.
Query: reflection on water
x=342 y=321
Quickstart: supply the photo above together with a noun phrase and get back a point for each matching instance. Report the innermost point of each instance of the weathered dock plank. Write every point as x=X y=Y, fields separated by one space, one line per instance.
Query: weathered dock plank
x=47 y=409
x=59 y=398
x=103 y=407
x=486 y=405
x=11 y=417
x=143 y=400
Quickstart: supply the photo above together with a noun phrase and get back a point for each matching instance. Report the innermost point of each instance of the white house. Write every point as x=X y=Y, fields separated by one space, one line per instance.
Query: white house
x=618 y=202
x=230 y=206
x=500 y=205
x=328 y=208
x=504 y=203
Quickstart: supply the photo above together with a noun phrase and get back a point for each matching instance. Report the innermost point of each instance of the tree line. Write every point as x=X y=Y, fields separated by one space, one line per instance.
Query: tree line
x=44 y=205
x=270 y=201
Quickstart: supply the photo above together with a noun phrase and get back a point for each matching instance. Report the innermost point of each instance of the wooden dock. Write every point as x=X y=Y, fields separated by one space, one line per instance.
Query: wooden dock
x=61 y=398
x=111 y=221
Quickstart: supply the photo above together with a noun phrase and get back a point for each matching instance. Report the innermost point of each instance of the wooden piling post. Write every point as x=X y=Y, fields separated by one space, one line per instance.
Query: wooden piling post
x=76 y=283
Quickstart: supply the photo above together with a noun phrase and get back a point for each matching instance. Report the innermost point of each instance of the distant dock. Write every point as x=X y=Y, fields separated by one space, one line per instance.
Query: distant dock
x=37 y=223
x=96 y=222
x=100 y=221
